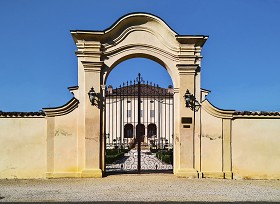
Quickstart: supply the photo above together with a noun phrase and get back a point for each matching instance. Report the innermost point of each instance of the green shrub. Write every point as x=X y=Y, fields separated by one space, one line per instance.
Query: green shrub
x=165 y=156
x=113 y=155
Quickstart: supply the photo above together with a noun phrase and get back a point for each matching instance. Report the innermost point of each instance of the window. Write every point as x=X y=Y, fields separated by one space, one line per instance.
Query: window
x=128 y=131
x=141 y=113
x=152 y=113
x=140 y=131
x=152 y=130
x=128 y=113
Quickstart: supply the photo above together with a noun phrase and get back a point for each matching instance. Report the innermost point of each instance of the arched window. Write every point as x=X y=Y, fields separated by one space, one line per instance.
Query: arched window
x=140 y=131
x=128 y=131
x=152 y=130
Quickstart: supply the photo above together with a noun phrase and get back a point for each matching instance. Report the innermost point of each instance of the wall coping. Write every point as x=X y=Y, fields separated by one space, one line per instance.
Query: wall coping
x=38 y=114
x=214 y=111
x=62 y=110
x=233 y=114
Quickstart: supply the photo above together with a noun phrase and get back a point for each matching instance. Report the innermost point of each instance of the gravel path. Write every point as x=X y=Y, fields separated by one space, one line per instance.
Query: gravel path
x=149 y=187
x=129 y=162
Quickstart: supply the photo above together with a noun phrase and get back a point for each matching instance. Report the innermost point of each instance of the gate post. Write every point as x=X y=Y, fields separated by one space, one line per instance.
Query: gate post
x=185 y=124
x=92 y=121
x=90 y=116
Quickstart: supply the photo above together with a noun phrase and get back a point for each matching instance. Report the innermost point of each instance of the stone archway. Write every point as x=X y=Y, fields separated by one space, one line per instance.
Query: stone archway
x=137 y=35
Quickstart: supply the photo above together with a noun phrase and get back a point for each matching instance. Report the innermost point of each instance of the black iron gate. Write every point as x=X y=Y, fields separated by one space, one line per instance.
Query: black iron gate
x=139 y=127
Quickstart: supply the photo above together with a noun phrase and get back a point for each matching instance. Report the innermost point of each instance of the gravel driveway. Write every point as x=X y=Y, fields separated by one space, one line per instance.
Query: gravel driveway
x=149 y=187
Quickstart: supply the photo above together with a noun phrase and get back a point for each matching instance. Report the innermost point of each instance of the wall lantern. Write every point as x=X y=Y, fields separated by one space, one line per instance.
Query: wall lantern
x=93 y=97
x=191 y=101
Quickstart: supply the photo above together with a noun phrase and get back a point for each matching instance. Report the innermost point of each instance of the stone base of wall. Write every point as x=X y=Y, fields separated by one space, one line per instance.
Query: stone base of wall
x=186 y=173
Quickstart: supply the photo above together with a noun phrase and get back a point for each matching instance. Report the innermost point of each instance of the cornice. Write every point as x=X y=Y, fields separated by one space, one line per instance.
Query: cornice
x=131 y=22
x=131 y=18
x=62 y=110
x=197 y=40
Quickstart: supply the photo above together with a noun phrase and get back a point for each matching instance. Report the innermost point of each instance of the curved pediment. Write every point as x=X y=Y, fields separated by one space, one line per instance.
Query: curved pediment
x=134 y=19
x=145 y=24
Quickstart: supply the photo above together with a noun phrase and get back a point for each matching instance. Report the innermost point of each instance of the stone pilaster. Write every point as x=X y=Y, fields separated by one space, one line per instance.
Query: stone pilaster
x=50 y=146
x=227 y=166
x=93 y=131
x=184 y=138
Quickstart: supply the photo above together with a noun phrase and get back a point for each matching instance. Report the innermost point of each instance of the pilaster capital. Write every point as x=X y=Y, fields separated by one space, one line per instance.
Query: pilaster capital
x=92 y=66
x=88 y=49
x=188 y=69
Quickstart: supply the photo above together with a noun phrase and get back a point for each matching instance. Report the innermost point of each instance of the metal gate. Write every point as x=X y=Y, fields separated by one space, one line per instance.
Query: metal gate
x=139 y=128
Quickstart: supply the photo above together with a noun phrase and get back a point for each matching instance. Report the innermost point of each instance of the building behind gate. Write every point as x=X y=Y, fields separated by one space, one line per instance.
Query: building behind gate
x=71 y=140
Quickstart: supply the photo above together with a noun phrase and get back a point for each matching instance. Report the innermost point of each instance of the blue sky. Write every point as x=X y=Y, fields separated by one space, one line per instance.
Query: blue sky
x=241 y=57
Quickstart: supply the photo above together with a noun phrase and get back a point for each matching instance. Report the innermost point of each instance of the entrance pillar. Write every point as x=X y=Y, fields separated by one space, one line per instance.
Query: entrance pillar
x=93 y=126
x=185 y=123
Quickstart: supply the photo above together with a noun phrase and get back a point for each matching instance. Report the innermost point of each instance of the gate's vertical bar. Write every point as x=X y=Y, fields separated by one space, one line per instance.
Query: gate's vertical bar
x=139 y=123
x=147 y=107
x=173 y=122
x=156 y=133
x=134 y=118
x=116 y=137
x=164 y=119
x=154 y=104
x=159 y=118
x=109 y=118
x=127 y=99
x=121 y=110
x=112 y=116
x=169 y=119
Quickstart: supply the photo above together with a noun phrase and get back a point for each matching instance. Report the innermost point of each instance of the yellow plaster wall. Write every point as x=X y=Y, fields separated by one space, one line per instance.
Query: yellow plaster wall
x=256 y=148
x=22 y=147
x=65 y=143
x=211 y=143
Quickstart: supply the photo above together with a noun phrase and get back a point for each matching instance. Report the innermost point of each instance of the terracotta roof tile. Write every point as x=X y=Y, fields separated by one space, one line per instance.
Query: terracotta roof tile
x=257 y=113
x=21 y=114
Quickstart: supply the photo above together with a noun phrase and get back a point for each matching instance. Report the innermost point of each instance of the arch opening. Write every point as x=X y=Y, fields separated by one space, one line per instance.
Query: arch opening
x=139 y=116
x=128 y=69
